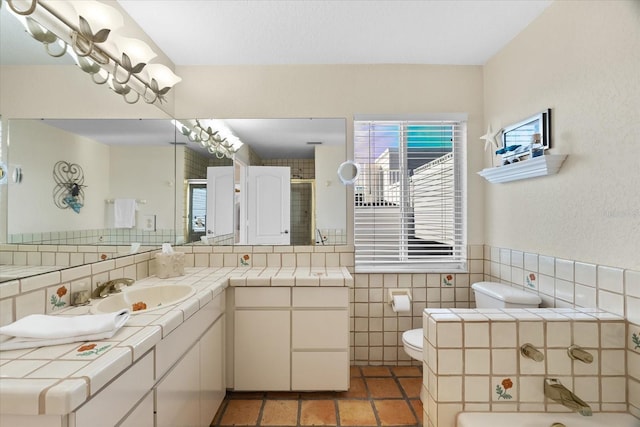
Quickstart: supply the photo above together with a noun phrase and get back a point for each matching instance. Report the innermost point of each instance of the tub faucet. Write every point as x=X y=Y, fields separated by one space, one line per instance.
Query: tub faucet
x=555 y=391
x=111 y=286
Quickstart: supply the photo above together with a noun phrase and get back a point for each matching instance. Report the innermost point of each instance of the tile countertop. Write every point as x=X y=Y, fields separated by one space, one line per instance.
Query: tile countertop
x=58 y=379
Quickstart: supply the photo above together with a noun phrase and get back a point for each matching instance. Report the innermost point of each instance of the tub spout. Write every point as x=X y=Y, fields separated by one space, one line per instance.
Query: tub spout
x=555 y=391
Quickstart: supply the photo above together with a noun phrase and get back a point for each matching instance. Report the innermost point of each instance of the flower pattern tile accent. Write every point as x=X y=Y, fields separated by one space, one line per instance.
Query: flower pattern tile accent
x=530 y=280
x=57 y=299
x=447 y=280
x=636 y=341
x=503 y=392
x=90 y=349
x=244 y=260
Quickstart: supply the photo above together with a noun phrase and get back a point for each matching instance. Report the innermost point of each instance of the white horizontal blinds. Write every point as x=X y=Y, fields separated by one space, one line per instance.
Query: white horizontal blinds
x=409 y=200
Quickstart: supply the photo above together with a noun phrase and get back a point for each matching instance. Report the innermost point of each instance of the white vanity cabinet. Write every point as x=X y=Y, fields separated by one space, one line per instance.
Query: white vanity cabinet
x=262 y=350
x=291 y=338
x=191 y=386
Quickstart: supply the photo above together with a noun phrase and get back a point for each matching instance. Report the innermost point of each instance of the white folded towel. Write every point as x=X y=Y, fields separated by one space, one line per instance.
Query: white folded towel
x=38 y=330
x=124 y=213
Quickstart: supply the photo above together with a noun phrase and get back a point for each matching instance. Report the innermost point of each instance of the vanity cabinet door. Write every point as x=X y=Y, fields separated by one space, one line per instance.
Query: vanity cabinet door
x=262 y=353
x=142 y=416
x=178 y=394
x=212 y=374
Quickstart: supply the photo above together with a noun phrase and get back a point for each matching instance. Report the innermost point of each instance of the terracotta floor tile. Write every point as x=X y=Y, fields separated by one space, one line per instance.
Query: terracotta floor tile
x=406 y=371
x=245 y=395
x=376 y=371
x=280 y=413
x=318 y=413
x=357 y=390
x=394 y=412
x=411 y=386
x=356 y=413
x=383 y=387
x=417 y=407
x=241 y=413
x=355 y=371
x=319 y=395
x=283 y=395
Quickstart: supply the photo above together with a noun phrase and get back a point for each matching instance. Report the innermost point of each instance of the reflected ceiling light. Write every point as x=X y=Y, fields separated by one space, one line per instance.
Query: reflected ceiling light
x=214 y=135
x=89 y=28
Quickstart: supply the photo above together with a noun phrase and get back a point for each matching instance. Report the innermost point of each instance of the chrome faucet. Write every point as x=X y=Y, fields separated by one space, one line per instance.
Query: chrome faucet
x=110 y=287
x=555 y=391
x=577 y=352
x=530 y=351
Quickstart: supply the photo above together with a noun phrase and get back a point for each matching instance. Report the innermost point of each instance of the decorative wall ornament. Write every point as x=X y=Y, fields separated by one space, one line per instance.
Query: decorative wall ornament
x=69 y=189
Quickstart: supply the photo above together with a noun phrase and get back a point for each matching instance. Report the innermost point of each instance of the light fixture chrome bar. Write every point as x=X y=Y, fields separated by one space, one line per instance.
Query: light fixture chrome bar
x=90 y=57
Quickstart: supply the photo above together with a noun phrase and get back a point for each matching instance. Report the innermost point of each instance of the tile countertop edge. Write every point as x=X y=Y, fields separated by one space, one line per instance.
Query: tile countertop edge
x=70 y=393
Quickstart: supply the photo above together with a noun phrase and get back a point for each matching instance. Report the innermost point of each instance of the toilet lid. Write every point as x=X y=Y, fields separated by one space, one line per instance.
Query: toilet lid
x=413 y=338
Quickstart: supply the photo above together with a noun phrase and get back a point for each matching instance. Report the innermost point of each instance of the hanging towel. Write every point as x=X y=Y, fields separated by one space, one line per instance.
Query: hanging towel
x=38 y=330
x=124 y=213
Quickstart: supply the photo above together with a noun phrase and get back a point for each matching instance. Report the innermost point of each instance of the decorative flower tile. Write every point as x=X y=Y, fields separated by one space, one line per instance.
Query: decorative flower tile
x=531 y=280
x=245 y=260
x=448 y=280
x=92 y=349
x=58 y=298
x=635 y=338
x=502 y=389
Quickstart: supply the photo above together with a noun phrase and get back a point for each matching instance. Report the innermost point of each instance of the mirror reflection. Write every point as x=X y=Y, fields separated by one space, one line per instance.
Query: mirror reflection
x=85 y=186
x=150 y=164
x=282 y=186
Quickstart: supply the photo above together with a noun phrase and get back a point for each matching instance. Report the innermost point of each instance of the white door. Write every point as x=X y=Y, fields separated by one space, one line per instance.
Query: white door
x=268 y=205
x=219 y=201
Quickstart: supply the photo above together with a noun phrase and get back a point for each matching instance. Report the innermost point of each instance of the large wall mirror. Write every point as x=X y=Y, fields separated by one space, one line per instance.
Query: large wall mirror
x=151 y=163
x=280 y=189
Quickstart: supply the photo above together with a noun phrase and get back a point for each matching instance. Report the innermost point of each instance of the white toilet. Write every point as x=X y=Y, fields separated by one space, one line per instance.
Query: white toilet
x=488 y=295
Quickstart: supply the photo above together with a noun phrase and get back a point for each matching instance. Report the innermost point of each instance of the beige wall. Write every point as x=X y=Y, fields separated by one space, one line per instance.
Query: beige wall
x=582 y=60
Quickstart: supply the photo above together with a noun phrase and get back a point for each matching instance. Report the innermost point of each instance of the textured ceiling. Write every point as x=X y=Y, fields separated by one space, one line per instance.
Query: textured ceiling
x=215 y=32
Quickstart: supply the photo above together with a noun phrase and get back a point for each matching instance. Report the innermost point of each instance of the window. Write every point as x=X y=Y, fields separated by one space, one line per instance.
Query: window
x=409 y=199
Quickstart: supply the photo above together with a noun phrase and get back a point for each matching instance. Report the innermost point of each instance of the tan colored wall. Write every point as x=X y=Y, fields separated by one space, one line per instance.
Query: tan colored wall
x=582 y=60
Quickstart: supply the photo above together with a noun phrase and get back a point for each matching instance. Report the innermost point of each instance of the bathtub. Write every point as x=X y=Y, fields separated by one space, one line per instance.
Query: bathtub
x=545 y=419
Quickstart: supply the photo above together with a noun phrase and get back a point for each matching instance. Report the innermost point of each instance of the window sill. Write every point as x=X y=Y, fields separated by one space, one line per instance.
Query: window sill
x=548 y=164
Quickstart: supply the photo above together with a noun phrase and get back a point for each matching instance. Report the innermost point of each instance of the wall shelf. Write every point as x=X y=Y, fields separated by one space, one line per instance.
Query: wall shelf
x=547 y=164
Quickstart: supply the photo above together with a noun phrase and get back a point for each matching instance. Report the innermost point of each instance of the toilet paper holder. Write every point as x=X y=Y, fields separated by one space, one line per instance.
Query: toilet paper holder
x=398 y=292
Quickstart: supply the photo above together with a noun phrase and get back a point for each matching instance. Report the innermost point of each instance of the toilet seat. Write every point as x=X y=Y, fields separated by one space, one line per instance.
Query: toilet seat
x=412 y=342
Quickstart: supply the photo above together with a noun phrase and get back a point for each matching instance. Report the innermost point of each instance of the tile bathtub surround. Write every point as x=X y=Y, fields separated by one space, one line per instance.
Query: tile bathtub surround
x=473 y=361
x=573 y=283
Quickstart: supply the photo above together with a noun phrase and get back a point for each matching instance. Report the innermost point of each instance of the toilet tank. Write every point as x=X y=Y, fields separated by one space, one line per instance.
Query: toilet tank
x=499 y=295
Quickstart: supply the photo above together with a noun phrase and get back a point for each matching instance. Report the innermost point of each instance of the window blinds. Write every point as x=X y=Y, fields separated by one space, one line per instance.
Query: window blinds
x=409 y=199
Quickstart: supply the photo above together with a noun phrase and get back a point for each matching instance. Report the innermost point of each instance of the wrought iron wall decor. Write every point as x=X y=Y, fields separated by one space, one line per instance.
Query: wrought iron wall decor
x=69 y=189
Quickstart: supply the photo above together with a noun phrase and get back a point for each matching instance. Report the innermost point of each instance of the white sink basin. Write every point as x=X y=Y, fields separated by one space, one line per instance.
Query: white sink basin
x=135 y=299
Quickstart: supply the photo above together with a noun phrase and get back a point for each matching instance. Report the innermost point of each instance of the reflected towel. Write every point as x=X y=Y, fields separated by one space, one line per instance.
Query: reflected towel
x=38 y=330
x=124 y=213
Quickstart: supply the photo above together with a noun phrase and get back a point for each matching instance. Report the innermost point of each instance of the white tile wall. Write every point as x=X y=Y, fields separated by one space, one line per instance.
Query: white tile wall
x=496 y=372
x=565 y=283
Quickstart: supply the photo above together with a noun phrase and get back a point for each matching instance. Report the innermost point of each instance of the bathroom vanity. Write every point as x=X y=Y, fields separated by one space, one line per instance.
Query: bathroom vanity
x=291 y=339
x=167 y=367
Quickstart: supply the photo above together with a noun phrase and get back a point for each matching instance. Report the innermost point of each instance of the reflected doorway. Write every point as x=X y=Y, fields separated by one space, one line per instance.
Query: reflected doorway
x=197 y=227
x=302 y=212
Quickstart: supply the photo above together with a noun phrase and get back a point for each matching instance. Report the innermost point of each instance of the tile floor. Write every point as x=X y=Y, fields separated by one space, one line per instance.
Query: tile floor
x=378 y=396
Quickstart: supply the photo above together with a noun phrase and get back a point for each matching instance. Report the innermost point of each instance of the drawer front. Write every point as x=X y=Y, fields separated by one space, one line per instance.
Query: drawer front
x=320 y=329
x=262 y=297
x=321 y=297
x=322 y=370
x=115 y=400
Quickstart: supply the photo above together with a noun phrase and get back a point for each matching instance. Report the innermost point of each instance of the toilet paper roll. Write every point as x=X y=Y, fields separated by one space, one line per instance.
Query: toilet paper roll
x=401 y=303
